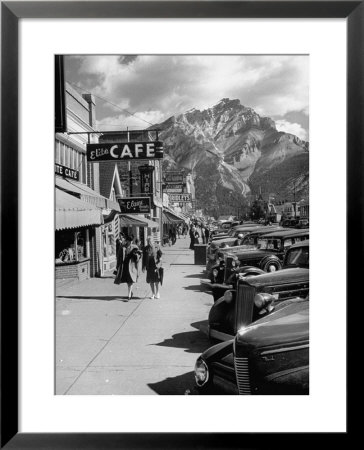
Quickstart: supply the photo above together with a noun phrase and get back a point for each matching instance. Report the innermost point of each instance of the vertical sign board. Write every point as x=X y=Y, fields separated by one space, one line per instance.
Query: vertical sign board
x=60 y=117
x=146 y=179
x=134 y=205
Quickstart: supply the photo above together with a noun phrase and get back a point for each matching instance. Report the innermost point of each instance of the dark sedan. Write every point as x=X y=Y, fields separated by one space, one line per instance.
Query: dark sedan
x=268 y=357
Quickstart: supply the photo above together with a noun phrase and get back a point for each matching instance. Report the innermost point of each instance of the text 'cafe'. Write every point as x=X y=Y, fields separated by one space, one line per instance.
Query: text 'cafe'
x=124 y=151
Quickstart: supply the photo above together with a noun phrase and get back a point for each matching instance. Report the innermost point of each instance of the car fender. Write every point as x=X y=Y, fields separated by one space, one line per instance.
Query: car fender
x=218 y=351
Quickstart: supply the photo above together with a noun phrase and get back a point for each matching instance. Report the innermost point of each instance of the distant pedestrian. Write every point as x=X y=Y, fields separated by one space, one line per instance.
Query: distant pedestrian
x=185 y=230
x=197 y=237
x=174 y=235
x=192 y=237
x=203 y=234
x=170 y=236
x=130 y=268
x=152 y=263
x=207 y=235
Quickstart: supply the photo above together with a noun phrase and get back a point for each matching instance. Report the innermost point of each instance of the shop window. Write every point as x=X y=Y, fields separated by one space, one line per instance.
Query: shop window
x=65 y=245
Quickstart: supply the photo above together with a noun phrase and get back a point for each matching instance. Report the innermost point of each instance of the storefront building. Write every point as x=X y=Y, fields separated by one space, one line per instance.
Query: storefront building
x=80 y=208
x=138 y=179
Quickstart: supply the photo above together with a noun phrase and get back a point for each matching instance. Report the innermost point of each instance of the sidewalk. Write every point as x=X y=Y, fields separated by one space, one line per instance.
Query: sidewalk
x=144 y=346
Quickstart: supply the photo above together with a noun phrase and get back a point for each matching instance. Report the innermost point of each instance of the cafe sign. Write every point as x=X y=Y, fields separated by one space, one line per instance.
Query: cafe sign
x=180 y=198
x=122 y=151
x=66 y=172
x=134 y=205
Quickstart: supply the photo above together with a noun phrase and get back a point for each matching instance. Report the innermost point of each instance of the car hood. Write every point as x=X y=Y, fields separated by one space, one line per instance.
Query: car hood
x=224 y=240
x=288 y=325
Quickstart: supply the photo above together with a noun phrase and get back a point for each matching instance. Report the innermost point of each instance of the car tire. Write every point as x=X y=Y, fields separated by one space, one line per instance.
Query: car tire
x=272 y=266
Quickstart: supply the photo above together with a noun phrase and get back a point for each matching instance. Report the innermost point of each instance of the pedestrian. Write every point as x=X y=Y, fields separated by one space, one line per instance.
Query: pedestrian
x=152 y=263
x=170 y=234
x=197 y=237
x=203 y=234
x=185 y=230
x=192 y=237
x=174 y=235
x=207 y=234
x=130 y=267
x=120 y=257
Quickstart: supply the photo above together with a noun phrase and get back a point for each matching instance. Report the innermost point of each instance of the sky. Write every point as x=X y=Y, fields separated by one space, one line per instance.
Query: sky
x=156 y=87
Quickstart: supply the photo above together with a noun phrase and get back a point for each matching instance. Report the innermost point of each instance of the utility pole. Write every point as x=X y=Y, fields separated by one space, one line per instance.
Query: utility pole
x=294 y=199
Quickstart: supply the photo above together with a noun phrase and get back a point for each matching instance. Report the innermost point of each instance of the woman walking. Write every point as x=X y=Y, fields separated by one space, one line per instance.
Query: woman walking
x=152 y=262
x=128 y=272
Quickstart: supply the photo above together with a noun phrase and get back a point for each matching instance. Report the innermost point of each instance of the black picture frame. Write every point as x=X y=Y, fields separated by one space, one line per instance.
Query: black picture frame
x=11 y=13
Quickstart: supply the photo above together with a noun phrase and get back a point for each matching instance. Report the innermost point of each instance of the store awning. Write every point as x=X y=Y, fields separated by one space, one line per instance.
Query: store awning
x=86 y=194
x=169 y=217
x=131 y=221
x=150 y=223
x=74 y=213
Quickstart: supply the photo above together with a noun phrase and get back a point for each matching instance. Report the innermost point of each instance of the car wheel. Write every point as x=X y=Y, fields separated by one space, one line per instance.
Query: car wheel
x=272 y=266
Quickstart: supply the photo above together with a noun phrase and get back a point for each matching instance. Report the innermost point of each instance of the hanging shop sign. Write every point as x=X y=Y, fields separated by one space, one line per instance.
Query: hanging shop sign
x=134 y=205
x=180 y=198
x=173 y=188
x=146 y=179
x=66 y=172
x=124 y=151
x=173 y=177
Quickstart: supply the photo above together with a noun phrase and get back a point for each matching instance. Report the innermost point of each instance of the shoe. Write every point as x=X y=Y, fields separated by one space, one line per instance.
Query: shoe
x=157 y=296
x=152 y=297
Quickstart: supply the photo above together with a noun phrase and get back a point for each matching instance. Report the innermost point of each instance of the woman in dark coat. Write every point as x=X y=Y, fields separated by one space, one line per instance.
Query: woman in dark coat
x=128 y=265
x=152 y=262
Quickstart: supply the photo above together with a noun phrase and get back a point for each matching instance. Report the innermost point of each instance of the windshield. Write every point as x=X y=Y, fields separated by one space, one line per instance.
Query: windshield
x=298 y=257
x=269 y=244
x=249 y=240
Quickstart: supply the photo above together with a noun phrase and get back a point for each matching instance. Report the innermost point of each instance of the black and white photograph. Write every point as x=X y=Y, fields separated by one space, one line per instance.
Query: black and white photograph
x=182 y=224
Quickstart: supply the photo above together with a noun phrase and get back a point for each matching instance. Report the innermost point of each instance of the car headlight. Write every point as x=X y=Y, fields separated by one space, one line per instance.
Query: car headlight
x=228 y=296
x=262 y=300
x=201 y=372
x=215 y=272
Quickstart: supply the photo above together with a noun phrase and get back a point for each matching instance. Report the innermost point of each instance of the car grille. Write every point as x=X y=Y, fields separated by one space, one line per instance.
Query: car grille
x=242 y=375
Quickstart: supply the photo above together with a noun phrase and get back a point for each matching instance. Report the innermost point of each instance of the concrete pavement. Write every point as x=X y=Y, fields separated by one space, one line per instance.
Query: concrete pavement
x=107 y=346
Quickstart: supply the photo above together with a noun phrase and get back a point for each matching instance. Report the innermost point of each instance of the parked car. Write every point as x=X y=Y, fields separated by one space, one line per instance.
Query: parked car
x=239 y=305
x=270 y=357
x=303 y=223
x=292 y=222
x=229 y=240
x=296 y=256
x=269 y=253
x=222 y=233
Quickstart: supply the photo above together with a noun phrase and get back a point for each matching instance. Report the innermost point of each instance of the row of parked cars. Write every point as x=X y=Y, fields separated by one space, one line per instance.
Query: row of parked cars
x=259 y=319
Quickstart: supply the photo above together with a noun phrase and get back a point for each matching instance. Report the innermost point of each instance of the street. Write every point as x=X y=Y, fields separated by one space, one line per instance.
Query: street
x=107 y=346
